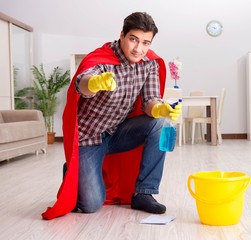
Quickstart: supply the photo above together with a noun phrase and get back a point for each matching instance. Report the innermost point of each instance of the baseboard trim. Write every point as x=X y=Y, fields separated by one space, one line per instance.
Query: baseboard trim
x=59 y=139
x=224 y=136
x=235 y=136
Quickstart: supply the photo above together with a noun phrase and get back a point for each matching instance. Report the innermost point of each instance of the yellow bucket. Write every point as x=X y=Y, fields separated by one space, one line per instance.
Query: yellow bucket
x=219 y=196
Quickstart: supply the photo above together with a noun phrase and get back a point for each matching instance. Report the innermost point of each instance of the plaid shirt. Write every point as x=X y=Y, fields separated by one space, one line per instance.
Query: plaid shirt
x=105 y=110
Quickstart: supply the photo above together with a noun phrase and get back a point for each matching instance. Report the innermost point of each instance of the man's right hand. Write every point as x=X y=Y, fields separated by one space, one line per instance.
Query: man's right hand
x=165 y=110
x=103 y=82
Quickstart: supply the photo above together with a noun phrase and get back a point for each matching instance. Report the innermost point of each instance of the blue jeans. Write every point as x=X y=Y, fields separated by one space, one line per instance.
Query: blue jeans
x=130 y=134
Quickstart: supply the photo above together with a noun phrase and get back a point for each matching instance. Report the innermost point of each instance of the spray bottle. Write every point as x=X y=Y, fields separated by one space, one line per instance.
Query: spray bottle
x=168 y=132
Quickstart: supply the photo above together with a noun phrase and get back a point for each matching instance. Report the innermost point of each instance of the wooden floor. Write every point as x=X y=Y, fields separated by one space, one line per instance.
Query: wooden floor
x=28 y=185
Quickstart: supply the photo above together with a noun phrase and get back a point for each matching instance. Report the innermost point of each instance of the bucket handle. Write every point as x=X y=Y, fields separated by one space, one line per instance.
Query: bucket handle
x=222 y=201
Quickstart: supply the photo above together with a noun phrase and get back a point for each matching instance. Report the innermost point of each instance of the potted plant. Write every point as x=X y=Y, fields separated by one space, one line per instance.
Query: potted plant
x=45 y=94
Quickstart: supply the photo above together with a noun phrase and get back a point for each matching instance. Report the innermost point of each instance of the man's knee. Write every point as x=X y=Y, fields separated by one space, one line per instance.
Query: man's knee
x=90 y=206
x=157 y=124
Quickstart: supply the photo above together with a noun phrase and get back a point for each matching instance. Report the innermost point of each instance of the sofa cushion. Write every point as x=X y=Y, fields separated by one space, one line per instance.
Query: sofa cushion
x=1 y=118
x=16 y=131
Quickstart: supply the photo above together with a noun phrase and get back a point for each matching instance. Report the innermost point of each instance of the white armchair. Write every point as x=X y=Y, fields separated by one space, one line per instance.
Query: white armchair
x=21 y=132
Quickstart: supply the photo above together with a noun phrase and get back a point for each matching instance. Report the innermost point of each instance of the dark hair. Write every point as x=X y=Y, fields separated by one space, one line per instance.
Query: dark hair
x=139 y=20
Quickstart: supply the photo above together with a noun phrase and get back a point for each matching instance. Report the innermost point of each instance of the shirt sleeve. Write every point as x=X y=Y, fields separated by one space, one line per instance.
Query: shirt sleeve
x=151 y=88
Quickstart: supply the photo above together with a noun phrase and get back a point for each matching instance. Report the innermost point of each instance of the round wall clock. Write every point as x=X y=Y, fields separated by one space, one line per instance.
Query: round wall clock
x=214 y=28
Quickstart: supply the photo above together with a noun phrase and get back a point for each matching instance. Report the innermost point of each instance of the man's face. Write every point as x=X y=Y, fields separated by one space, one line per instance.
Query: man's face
x=135 y=44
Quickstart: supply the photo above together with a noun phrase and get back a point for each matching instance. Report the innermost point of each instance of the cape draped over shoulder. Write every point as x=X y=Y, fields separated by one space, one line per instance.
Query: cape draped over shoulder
x=120 y=170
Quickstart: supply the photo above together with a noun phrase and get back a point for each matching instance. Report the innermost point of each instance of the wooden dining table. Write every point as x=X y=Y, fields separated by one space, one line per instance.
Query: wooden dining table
x=210 y=103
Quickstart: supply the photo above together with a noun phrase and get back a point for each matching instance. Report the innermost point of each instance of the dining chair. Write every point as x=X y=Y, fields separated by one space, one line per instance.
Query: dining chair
x=176 y=93
x=207 y=120
x=192 y=113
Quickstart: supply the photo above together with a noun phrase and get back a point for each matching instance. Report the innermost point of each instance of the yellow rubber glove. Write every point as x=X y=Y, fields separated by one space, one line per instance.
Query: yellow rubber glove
x=103 y=82
x=165 y=110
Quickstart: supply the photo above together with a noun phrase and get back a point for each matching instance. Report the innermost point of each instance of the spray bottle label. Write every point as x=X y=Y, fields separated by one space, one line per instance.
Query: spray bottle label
x=167 y=138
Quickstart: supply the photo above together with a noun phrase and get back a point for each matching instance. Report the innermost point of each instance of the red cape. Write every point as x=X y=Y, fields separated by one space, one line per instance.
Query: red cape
x=120 y=175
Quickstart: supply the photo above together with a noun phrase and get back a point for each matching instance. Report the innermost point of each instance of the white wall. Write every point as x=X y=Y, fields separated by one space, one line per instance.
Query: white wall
x=64 y=27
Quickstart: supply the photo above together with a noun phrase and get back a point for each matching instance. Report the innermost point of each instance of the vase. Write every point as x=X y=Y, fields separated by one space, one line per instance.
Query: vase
x=50 y=137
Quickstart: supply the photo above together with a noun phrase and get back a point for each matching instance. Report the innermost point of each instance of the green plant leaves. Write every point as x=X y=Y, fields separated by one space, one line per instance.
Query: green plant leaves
x=45 y=91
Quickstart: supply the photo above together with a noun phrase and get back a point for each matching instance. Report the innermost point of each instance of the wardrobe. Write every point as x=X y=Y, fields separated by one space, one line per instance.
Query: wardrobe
x=16 y=59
